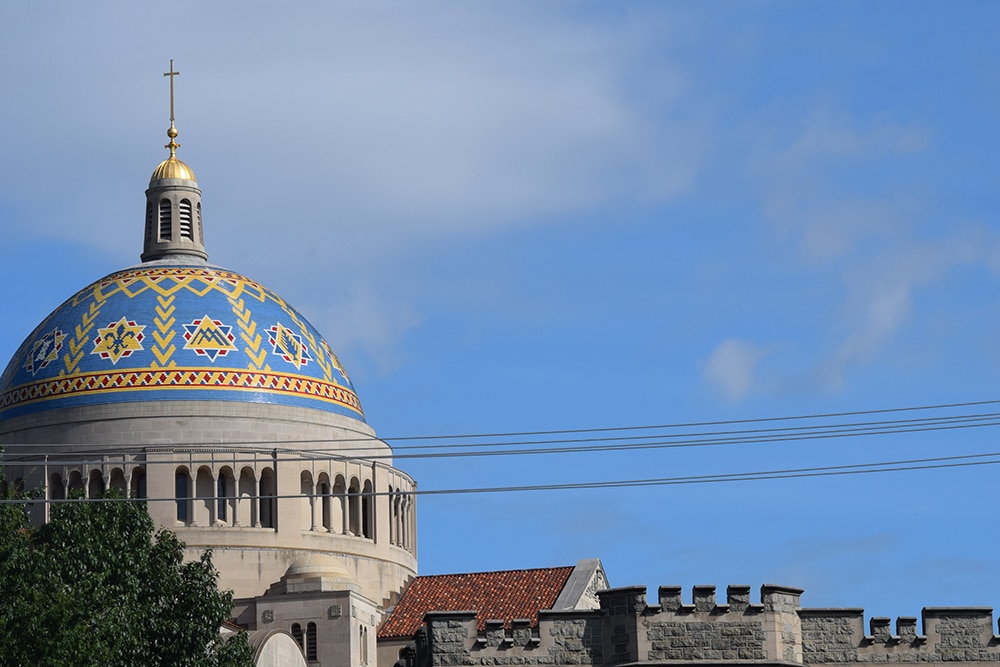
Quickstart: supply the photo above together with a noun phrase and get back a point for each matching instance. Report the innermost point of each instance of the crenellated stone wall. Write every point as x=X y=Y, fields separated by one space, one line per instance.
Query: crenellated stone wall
x=626 y=630
x=951 y=634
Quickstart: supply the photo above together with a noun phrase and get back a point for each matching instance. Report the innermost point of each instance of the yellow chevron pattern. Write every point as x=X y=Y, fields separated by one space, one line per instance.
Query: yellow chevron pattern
x=80 y=337
x=163 y=332
x=248 y=333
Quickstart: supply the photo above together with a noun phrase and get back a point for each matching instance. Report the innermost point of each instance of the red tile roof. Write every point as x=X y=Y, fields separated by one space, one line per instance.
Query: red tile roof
x=494 y=595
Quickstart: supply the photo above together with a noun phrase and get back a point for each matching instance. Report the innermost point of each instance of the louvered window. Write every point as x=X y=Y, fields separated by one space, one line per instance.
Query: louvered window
x=311 y=642
x=149 y=221
x=185 y=220
x=201 y=233
x=165 y=231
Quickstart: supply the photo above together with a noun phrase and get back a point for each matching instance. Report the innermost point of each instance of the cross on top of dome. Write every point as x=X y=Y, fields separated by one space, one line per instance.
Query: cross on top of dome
x=172 y=132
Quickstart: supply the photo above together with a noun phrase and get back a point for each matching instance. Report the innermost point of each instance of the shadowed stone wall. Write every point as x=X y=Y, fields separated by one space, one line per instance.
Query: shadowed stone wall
x=626 y=630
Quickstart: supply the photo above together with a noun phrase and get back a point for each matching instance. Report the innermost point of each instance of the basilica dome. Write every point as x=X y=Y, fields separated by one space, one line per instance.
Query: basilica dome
x=175 y=329
x=208 y=396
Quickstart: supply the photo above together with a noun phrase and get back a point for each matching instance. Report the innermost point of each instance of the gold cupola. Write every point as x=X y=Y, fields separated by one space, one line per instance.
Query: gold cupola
x=173 y=203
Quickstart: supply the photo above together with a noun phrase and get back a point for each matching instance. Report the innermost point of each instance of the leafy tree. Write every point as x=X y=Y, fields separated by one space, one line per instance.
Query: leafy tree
x=95 y=586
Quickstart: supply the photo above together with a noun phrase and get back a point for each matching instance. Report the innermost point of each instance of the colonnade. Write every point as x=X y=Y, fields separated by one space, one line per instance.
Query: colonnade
x=130 y=483
x=343 y=504
x=219 y=495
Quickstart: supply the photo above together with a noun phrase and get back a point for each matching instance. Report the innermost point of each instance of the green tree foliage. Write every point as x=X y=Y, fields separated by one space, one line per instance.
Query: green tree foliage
x=95 y=586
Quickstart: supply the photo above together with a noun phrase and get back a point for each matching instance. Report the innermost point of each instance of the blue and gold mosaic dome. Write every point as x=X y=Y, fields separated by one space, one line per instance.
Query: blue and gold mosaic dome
x=175 y=331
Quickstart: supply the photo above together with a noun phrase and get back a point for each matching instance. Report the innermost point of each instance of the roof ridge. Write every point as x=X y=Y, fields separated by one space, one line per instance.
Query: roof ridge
x=522 y=569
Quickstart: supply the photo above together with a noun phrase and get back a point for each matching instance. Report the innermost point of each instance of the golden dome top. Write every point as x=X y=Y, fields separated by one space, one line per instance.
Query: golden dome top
x=172 y=168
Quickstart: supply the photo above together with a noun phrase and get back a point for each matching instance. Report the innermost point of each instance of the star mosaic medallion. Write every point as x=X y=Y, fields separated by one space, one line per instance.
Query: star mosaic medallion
x=44 y=351
x=288 y=346
x=209 y=338
x=118 y=340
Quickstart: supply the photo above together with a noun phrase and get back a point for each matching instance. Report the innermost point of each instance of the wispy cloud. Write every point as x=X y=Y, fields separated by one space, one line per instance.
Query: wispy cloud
x=834 y=189
x=881 y=293
x=824 y=187
x=419 y=123
x=732 y=367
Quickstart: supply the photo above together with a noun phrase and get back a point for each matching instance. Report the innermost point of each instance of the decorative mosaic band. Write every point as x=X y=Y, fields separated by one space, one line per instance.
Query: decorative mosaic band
x=191 y=379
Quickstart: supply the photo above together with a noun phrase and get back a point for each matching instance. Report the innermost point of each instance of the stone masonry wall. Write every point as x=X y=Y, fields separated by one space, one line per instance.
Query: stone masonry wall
x=777 y=632
x=563 y=638
x=706 y=641
x=705 y=630
x=952 y=635
x=575 y=641
x=447 y=635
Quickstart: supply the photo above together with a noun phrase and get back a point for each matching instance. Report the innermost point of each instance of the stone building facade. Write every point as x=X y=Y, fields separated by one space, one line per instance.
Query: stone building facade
x=626 y=630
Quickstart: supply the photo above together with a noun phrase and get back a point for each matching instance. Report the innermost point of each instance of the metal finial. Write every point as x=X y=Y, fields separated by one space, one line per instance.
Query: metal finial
x=172 y=132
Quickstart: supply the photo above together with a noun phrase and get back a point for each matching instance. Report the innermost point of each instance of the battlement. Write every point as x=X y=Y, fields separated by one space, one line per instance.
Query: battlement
x=776 y=631
x=773 y=598
x=950 y=634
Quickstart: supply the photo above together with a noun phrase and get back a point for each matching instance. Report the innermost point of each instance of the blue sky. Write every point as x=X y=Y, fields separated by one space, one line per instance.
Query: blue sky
x=537 y=216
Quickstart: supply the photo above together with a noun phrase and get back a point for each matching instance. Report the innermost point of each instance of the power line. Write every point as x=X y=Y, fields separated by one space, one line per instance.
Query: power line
x=932 y=463
x=756 y=420
x=922 y=420
x=602 y=444
x=618 y=442
x=792 y=473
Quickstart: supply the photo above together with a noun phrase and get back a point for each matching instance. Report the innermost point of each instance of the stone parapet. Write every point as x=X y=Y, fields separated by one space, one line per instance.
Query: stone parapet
x=626 y=631
x=951 y=634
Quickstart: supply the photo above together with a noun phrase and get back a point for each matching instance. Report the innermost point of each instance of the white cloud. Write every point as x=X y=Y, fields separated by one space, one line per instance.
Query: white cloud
x=821 y=186
x=731 y=368
x=881 y=293
x=834 y=189
x=364 y=323
x=421 y=123
x=826 y=134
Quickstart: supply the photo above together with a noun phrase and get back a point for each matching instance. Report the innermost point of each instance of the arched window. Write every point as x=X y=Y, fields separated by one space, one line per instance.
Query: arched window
x=165 y=232
x=339 y=501
x=201 y=233
x=406 y=521
x=311 y=642
x=246 y=508
x=363 y=644
x=397 y=516
x=354 y=508
x=323 y=493
x=367 y=515
x=184 y=211
x=204 y=489
x=391 y=514
x=267 y=500
x=182 y=484
x=95 y=489
x=225 y=510
x=297 y=634
x=220 y=494
x=56 y=489
x=118 y=482
x=76 y=485
x=138 y=483
x=306 y=492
